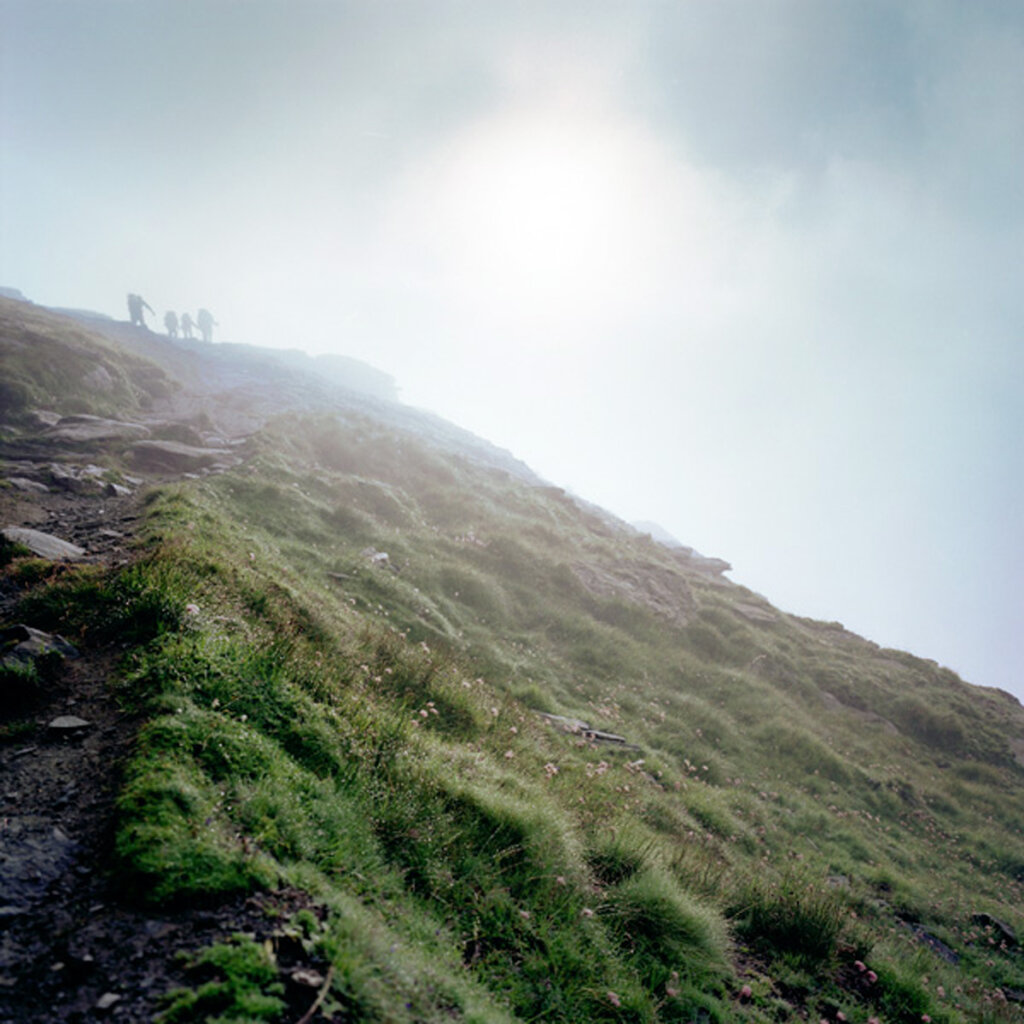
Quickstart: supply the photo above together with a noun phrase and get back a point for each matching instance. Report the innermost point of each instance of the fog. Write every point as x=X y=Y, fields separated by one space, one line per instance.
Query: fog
x=748 y=270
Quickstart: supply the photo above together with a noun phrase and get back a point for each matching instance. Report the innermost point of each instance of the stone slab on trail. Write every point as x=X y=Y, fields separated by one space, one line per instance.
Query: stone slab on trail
x=78 y=479
x=174 y=457
x=26 y=486
x=45 y=545
x=81 y=428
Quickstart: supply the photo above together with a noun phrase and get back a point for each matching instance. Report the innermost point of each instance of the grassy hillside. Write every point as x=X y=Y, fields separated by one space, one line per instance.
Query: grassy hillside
x=344 y=652
x=52 y=363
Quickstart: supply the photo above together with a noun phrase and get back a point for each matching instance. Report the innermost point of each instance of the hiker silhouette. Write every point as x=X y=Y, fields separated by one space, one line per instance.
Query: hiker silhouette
x=204 y=318
x=171 y=323
x=136 y=306
x=186 y=325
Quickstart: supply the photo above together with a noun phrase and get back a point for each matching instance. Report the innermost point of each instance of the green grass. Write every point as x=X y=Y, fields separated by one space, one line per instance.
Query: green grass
x=53 y=363
x=244 y=986
x=793 y=796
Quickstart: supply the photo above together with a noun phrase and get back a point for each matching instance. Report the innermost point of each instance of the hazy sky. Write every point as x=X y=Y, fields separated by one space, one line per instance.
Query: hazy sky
x=747 y=268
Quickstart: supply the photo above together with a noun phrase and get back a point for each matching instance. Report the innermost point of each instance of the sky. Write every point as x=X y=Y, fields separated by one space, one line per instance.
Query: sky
x=750 y=269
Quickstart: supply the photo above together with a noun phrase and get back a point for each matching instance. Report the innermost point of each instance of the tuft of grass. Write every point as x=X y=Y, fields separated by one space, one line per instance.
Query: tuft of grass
x=132 y=605
x=656 y=921
x=791 y=914
x=10 y=550
x=619 y=855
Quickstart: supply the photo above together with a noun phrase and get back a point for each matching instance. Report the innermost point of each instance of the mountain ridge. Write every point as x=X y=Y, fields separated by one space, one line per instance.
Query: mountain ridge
x=376 y=676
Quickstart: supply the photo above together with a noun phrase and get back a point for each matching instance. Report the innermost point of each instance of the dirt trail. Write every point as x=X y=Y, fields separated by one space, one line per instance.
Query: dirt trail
x=70 y=949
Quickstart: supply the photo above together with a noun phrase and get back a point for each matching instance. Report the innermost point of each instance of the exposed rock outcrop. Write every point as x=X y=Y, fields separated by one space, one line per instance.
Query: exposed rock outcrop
x=45 y=545
x=175 y=457
x=82 y=428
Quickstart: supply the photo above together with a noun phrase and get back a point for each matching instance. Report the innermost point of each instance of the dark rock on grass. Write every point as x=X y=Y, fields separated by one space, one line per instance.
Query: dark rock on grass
x=1001 y=929
x=936 y=945
x=28 y=657
x=27 y=644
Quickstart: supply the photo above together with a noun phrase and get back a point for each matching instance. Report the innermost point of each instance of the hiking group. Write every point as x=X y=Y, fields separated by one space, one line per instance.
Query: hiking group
x=204 y=321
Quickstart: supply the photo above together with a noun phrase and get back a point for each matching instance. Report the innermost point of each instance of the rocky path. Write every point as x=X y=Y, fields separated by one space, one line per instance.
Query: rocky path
x=70 y=948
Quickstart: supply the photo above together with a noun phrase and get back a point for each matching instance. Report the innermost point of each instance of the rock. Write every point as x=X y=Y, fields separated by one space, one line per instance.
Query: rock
x=68 y=724
x=41 y=419
x=754 y=612
x=82 y=427
x=708 y=566
x=1002 y=930
x=29 y=657
x=574 y=725
x=78 y=479
x=581 y=728
x=176 y=430
x=29 y=644
x=173 y=457
x=107 y=1000
x=936 y=945
x=307 y=977
x=116 y=491
x=45 y=545
x=21 y=483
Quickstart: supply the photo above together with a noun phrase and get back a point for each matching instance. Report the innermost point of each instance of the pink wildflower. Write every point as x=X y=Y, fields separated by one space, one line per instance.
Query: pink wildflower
x=871 y=976
x=860 y=965
x=746 y=992
x=587 y=912
x=614 y=999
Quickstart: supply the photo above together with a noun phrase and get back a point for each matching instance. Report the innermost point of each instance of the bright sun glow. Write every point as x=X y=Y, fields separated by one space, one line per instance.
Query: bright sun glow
x=557 y=214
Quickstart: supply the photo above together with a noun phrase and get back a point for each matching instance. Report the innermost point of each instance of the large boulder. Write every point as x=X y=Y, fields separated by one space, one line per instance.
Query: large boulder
x=174 y=457
x=45 y=545
x=27 y=486
x=78 y=479
x=83 y=428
